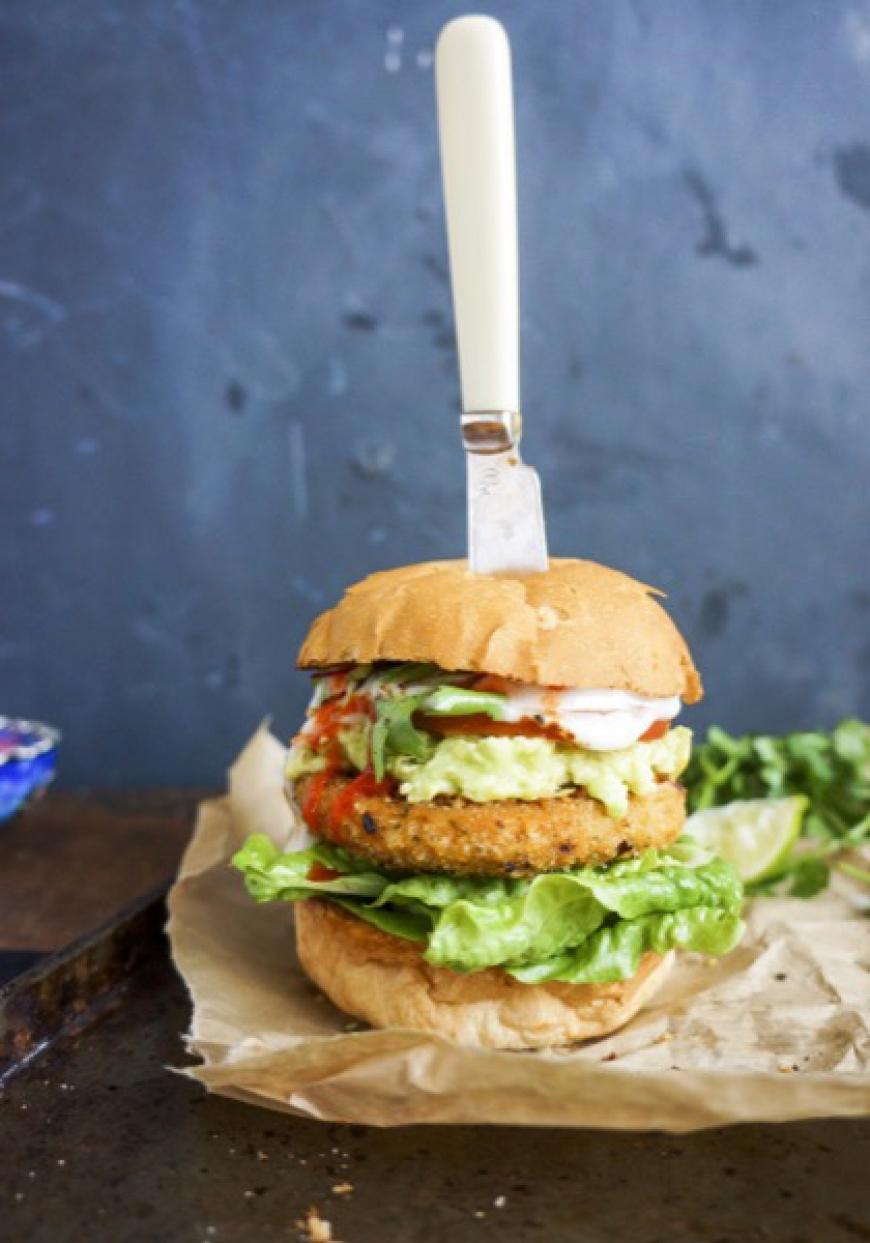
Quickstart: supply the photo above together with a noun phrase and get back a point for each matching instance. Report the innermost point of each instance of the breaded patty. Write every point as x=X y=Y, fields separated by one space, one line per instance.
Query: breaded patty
x=511 y=837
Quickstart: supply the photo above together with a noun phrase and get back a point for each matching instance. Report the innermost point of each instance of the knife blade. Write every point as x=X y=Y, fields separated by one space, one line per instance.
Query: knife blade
x=505 y=511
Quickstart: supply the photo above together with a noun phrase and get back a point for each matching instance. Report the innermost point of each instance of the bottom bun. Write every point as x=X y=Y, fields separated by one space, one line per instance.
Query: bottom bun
x=385 y=981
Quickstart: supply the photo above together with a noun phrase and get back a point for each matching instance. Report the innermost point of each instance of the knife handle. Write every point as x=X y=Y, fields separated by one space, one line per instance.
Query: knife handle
x=476 y=129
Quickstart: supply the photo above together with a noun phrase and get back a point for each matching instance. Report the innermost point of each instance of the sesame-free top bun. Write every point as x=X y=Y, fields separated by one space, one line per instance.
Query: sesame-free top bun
x=385 y=981
x=578 y=624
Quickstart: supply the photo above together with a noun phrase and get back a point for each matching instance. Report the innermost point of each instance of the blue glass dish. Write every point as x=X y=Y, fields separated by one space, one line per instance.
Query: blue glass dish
x=28 y=759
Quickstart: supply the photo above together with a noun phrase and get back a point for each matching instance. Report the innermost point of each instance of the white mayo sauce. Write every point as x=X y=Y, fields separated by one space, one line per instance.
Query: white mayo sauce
x=604 y=720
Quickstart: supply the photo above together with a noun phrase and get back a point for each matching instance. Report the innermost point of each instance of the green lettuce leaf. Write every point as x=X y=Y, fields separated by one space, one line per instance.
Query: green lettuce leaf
x=615 y=950
x=586 y=924
x=408 y=924
x=492 y=922
x=271 y=875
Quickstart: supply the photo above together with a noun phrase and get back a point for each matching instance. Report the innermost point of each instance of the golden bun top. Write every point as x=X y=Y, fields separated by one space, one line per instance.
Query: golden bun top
x=578 y=624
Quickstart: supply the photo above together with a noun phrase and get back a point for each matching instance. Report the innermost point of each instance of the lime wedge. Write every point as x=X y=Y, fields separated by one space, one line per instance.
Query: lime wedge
x=755 y=835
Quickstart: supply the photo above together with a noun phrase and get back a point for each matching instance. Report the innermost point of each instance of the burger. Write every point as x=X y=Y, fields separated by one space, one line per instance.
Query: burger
x=489 y=773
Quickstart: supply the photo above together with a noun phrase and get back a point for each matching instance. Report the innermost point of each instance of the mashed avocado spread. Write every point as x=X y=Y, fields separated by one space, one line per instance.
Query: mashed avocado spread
x=485 y=769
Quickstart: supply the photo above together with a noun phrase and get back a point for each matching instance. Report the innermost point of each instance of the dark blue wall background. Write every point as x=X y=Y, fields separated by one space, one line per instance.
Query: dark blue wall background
x=227 y=362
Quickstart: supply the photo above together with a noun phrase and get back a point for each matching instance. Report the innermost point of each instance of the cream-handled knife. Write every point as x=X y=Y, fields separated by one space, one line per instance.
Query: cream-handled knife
x=476 y=130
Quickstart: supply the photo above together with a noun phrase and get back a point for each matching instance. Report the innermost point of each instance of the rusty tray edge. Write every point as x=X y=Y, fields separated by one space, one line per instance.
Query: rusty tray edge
x=67 y=991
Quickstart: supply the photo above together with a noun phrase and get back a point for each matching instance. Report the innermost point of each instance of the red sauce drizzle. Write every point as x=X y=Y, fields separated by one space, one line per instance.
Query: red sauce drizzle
x=317 y=872
x=313 y=795
x=363 y=786
x=329 y=718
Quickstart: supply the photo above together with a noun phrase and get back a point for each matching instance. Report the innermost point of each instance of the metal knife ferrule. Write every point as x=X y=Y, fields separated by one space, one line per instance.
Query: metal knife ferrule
x=491 y=431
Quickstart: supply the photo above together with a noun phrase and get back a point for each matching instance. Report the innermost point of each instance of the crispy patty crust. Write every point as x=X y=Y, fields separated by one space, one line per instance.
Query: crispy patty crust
x=507 y=838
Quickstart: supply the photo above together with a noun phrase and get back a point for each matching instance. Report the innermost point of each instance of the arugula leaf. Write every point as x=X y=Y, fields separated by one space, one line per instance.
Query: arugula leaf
x=808 y=876
x=404 y=674
x=457 y=701
x=393 y=732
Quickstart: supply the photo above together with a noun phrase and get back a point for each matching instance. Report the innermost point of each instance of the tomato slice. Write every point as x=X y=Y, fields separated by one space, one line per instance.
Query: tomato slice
x=480 y=723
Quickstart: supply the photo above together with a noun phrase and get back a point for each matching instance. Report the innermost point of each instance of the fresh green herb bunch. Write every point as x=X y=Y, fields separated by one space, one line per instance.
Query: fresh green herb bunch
x=831 y=769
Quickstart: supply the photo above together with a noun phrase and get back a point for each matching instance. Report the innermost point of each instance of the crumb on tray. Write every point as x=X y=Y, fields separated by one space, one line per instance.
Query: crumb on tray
x=316 y=1228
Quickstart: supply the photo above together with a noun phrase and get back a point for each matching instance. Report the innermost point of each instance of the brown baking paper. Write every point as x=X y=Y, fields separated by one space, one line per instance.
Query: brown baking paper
x=778 y=1030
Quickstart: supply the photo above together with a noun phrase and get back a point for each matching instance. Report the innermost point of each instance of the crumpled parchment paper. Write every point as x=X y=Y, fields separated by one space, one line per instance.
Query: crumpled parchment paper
x=778 y=1030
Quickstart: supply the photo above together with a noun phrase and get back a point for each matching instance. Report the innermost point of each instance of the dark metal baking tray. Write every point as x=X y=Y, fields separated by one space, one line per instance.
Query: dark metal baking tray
x=101 y=1142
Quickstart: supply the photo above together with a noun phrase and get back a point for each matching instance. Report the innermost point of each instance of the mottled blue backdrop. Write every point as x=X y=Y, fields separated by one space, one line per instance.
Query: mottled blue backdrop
x=228 y=375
